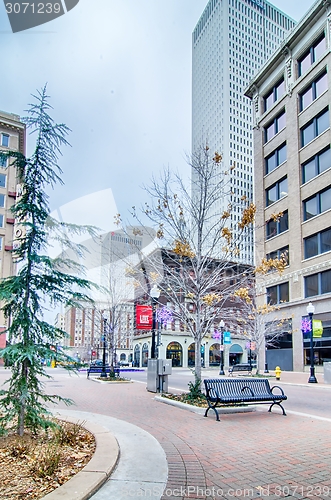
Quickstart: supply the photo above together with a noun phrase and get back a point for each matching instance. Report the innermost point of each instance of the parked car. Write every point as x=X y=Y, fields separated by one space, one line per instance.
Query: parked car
x=97 y=362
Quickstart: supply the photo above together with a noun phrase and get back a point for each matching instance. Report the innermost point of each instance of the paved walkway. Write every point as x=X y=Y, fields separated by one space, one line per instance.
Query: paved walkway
x=254 y=455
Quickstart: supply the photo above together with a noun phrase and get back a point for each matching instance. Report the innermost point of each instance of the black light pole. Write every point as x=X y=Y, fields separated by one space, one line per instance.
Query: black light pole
x=266 y=360
x=250 y=355
x=104 y=373
x=155 y=294
x=312 y=379
x=222 y=348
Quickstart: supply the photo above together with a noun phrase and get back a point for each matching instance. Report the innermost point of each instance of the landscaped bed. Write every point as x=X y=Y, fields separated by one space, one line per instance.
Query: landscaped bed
x=36 y=464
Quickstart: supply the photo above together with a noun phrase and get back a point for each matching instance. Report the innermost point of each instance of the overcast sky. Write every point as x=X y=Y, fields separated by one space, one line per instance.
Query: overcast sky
x=119 y=75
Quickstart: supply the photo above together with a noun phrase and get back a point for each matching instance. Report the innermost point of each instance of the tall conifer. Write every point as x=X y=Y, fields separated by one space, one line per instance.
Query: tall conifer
x=40 y=280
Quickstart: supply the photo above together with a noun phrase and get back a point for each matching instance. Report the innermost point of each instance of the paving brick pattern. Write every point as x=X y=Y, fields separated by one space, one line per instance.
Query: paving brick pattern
x=253 y=455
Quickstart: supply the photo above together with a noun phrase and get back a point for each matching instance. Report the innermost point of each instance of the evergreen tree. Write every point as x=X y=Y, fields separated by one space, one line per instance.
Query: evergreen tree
x=40 y=280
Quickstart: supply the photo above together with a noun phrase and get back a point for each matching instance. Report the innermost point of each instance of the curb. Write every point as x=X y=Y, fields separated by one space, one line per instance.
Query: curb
x=201 y=411
x=110 y=381
x=96 y=472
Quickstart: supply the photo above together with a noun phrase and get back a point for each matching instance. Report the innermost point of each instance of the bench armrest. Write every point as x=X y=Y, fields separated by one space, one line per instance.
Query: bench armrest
x=277 y=387
x=246 y=387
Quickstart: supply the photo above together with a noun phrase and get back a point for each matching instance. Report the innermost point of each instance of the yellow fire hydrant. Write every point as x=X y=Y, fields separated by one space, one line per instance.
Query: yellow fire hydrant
x=278 y=372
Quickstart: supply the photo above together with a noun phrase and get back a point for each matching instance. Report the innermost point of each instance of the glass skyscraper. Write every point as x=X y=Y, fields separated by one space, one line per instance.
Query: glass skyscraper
x=231 y=41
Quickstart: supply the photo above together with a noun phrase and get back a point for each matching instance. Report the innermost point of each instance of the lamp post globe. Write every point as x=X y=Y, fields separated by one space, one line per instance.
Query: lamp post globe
x=221 y=326
x=155 y=294
x=310 y=311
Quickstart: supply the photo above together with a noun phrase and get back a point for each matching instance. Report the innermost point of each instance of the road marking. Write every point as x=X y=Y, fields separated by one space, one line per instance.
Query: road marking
x=300 y=414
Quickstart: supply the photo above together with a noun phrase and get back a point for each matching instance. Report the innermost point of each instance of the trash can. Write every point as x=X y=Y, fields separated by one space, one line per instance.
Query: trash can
x=327 y=372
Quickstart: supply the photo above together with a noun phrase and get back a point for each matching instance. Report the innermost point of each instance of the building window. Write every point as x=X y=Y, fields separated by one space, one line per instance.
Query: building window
x=276 y=158
x=275 y=93
x=1 y=220
x=277 y=191
x=275 y=126
x=315 y=127
x=1 y=242
x=2 y=200
x=317 y=284
x=317 y=204
x=313 y=91
x=3 y=162
x=277 y=225
x=5 y=140
x=316 y=165
x=317 y=243
x=281 y=253
x=312 y=54
x=278 y=294
x=2 y=180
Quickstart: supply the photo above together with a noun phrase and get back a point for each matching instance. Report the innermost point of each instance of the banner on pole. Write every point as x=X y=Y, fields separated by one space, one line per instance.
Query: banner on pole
x=144 y=317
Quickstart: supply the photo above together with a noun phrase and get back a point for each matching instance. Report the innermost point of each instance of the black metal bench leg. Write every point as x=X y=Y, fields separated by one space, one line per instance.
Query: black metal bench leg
x=212 y=408
x=276 y=403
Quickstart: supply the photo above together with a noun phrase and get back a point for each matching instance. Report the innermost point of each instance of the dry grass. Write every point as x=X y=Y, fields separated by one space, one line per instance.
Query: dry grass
x=34 y=465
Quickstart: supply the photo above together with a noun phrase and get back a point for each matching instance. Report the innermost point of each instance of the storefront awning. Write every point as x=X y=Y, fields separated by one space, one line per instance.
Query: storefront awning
x=236 y=349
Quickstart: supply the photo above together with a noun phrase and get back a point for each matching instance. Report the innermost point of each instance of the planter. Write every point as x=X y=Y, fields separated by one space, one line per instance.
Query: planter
x=201 y=411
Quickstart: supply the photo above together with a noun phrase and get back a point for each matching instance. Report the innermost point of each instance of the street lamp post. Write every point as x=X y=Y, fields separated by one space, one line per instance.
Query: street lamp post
x=310 y=310
x=250 y=355
x=155 y=294
x=222 y=348
x=103 y=372
x=266 y=360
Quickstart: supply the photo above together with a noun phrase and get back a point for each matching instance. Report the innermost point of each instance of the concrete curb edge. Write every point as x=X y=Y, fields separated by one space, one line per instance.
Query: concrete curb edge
x=201 y=411
x=96 y=472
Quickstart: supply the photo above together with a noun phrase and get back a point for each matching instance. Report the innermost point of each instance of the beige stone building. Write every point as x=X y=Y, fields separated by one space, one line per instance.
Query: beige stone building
x=292 y=169
x=12 y=137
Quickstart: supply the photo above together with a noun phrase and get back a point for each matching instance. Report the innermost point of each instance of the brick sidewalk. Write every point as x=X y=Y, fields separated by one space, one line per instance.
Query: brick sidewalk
x=285 y=456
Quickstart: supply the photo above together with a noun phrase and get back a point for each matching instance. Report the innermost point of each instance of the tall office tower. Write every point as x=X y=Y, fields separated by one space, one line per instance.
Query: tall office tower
x=12 y=138
x=231 y=41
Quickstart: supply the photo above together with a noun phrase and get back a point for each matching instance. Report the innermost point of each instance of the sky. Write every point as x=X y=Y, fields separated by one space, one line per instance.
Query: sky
x=119 y=75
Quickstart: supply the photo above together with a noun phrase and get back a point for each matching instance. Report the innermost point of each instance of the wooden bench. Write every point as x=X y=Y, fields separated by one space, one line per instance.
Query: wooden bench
x=99 y=369
x=250 y=391
x=244 y=367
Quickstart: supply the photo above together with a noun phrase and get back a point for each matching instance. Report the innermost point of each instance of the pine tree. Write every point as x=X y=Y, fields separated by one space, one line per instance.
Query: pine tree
x=40 y=280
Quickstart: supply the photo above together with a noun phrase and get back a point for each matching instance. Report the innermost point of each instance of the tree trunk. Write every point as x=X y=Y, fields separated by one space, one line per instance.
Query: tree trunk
x=197 y=371
x=21 y=416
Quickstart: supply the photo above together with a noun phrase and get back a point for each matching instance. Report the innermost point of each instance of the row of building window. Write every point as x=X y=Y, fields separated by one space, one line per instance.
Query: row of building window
x=310 y=131
x=313 y=245
x=312 y=206
x=315 y=284
x=312 y=92
x=304 y=63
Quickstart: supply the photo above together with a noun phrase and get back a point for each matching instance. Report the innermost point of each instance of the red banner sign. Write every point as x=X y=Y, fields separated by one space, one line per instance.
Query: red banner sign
x=144 y=317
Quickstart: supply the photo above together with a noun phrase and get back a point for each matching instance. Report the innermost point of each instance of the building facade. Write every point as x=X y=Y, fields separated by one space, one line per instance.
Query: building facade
x=86 y=330
x=12 y=138
x=173 y=337
x=231 y=41
x=291 y=105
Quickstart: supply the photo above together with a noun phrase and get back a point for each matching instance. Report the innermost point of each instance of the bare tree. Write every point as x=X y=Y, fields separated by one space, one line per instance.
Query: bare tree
x=260 y=321
x=197 y=268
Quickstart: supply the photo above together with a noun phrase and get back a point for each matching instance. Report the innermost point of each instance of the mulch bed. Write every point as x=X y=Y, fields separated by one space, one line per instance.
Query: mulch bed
x=34 y=465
